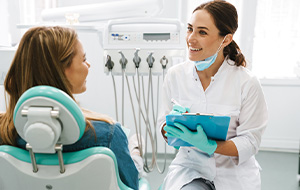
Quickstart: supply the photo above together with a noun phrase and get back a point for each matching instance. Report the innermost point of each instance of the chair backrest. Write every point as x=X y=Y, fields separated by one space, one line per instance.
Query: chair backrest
x=47 y=118
x=93 y=168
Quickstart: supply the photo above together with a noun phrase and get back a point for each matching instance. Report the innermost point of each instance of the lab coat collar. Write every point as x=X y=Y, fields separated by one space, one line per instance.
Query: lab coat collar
x=225 y=66
x=227 y=63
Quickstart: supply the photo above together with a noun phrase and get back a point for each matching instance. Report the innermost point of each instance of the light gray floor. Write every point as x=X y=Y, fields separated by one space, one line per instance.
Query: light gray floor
x=279 y=171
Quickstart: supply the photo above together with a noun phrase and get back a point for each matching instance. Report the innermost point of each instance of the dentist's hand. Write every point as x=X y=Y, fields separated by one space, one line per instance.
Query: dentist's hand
x=178 y=110
x=197 y=138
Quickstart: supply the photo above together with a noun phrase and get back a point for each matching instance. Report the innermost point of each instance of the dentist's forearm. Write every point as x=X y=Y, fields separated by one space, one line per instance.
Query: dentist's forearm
x=226 y=148
x=163 y=132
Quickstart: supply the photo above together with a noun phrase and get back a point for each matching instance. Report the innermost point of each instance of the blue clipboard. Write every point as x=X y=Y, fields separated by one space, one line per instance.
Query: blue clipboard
x=215 y=127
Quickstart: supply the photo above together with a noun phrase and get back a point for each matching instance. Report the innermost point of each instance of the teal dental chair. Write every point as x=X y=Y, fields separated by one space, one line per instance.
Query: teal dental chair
x=47 y=118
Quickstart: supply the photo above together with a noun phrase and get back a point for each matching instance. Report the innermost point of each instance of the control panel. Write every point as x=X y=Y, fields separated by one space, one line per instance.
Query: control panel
x=143 y=38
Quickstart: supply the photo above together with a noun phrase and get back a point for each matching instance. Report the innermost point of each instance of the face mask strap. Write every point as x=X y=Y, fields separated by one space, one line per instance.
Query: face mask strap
x=221 y=44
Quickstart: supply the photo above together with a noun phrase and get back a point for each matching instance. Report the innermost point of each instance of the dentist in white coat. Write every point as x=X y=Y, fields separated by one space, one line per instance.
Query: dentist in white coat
x=215 y=80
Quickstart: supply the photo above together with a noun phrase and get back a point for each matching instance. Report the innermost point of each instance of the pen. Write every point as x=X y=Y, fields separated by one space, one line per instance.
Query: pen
x=173 y=101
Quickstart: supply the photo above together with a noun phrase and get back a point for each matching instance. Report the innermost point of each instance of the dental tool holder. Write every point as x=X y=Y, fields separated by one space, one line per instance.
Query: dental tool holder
x=160 y=59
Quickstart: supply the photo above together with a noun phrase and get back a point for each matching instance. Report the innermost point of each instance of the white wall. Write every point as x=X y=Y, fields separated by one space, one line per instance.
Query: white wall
x=10 y=16
x=283 y=130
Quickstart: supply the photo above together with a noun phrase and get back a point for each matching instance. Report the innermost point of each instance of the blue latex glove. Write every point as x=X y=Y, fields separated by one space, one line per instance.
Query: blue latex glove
x=178 y=110
x=197 y=138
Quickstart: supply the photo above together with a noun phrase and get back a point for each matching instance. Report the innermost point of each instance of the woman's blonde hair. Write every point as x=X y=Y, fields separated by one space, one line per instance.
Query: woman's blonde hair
x=41 y=59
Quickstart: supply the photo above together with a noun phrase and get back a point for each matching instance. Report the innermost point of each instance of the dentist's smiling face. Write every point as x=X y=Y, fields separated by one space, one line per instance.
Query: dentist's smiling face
x=202 y=36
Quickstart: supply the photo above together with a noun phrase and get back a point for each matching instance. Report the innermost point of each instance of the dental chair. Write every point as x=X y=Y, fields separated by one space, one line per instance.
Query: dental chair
x=47 y=118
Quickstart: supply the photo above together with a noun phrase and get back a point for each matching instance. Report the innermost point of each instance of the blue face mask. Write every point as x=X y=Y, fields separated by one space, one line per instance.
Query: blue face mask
x=204 y=64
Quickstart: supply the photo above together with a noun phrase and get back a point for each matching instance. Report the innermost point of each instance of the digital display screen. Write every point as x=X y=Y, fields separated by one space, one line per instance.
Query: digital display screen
x=156 y=36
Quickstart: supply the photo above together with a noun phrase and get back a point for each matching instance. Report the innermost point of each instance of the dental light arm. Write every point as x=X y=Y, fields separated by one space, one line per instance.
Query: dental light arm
x=106 y=10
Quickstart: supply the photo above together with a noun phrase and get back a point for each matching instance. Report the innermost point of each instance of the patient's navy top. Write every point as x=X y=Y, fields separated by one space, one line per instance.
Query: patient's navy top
x=111 y=136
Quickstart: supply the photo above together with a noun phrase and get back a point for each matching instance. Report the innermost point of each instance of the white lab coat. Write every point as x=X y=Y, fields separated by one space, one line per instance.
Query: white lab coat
x=233 y=91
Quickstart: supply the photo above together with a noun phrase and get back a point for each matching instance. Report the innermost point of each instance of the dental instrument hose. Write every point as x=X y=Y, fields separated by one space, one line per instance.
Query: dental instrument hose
x=148 y=130
x=148 y=127
x=123 y=97
x=115 y=92
x=110 y=65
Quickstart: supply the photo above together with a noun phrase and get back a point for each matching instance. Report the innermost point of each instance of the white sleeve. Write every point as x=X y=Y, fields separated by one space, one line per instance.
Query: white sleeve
x=252 y=121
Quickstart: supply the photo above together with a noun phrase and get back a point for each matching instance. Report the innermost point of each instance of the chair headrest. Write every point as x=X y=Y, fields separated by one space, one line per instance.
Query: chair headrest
x=45 y=116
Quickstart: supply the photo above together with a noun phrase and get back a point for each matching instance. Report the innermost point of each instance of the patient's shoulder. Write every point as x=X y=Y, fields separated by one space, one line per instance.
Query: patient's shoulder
x=110 y=131
x=119 y=132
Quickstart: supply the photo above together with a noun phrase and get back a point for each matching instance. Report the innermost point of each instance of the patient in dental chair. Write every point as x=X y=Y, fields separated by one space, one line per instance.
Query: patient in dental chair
x=54 y=56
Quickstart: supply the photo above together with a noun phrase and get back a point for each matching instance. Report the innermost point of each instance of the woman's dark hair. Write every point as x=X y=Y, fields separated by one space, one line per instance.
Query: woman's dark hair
x=226 y=20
